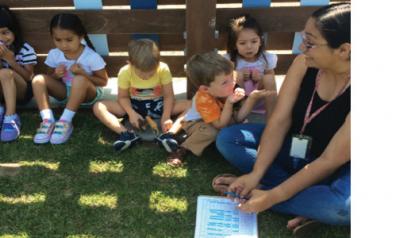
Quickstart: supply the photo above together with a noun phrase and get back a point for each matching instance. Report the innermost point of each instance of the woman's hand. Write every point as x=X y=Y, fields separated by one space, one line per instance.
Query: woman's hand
x=259 y=200
x=244 y=184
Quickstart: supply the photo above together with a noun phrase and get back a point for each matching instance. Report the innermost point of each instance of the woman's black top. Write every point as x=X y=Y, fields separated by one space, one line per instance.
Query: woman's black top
x=324 y=126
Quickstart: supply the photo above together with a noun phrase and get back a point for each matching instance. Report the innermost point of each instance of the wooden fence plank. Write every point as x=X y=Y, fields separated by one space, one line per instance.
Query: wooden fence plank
x=42 y=43
x=106 y=22
x=200 y=28
x=274 y=19
x=114 y=63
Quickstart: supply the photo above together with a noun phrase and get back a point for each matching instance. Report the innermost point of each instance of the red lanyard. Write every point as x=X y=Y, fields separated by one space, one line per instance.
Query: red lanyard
x=307 y=117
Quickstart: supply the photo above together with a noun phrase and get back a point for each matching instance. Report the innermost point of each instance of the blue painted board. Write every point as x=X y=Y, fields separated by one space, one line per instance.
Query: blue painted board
x=100 y=43
x=143 y=4
x=88 y=4
x=256 y=3
x=314 y=2
x=298 y=39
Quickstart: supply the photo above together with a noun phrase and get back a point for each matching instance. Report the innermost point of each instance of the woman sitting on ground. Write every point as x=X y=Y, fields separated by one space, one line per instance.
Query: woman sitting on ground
x=300 y=163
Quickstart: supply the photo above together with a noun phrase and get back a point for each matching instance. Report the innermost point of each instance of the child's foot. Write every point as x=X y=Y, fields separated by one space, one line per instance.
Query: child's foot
x=126 y=139
x=61 y=133
x=11 y=128
x=167 y=141
x=175 y=159
x=43 y=133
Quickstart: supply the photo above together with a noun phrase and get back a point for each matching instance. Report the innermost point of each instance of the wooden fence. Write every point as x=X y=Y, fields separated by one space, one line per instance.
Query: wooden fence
x=193 y=27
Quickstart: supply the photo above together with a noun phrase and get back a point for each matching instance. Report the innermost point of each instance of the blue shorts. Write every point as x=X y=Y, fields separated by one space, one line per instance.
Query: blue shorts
x=153 y=107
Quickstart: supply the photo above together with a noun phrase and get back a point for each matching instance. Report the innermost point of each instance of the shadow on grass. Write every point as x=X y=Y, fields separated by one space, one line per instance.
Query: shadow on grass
x=83 y=187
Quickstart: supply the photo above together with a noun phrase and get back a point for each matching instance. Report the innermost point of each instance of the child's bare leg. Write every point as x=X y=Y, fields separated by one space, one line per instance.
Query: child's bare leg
x=82 y=90
x=108 y=112
x=180 y=108
x=42 y=85
x=7 y=82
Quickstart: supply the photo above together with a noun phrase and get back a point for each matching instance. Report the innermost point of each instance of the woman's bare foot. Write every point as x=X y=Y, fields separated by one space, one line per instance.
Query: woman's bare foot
x=295 y=222
x=221 y=182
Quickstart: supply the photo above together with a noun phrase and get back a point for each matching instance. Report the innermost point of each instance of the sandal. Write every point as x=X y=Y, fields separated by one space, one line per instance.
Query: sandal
x=221 y=188
x=306 y=229
x=175 y=159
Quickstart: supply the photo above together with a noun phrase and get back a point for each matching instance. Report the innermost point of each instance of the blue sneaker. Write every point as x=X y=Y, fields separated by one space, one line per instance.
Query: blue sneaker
x=1 y=115
x=167 y=141
x=11 y=130
x=126 y=139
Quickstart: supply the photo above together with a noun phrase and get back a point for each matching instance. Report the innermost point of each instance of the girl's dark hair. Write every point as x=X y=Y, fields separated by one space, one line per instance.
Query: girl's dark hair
x=72 y=22
x=236 y=25
x=9 y=20
x=333 y=21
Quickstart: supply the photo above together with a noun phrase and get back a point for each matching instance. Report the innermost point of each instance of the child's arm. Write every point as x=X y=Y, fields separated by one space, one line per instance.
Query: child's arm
x=99 y=77
x=227 y=111
x=125 y=102
x=168 y=94
x=26 y=71
x=250 y=102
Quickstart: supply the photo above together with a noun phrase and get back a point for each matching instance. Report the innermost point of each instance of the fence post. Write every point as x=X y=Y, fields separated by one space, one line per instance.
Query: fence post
x=200 y=30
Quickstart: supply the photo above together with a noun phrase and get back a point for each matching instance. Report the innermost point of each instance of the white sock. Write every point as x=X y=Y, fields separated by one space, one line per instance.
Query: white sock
x=9 y=118
x=47 y=114
x=67 y=115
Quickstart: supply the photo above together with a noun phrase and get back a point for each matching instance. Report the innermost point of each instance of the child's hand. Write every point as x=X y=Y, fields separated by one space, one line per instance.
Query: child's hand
x=257 y=94
x=77 y=69
x=166 y=124
x=6 y=54
x=237 y=95
x=60 y=71
x=256 y=75
x=246 y=74
x=136 y=120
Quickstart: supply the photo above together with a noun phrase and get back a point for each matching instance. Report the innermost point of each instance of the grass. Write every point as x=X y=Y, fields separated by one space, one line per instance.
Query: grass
x=84 y=189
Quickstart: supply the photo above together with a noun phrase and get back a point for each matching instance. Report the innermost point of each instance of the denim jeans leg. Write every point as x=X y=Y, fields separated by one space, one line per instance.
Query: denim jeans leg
x=238 y=144
x=327 y=203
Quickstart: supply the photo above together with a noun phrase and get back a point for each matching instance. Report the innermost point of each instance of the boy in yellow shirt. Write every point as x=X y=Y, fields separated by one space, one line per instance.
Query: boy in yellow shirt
x=144 y=89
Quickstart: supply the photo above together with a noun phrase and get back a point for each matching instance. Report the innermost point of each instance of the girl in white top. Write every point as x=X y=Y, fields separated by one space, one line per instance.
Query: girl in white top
x=76 y=76
x=254 y=66
x=17 y=60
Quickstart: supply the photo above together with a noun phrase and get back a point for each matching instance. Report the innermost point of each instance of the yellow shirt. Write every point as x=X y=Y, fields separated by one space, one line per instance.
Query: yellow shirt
x=144 y=89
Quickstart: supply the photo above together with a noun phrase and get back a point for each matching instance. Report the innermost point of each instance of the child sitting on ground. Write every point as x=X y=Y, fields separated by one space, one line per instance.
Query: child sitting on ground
x=212 y=105
x=254 y=65
x=17 y=60
x=76 y=76
x=144 y=90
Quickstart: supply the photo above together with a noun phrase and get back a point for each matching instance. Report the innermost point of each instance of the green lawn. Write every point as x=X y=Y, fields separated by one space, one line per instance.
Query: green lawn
x=84 y=189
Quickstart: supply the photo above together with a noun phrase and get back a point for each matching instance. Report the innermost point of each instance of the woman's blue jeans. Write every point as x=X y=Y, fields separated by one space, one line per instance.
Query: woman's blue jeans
x=327 y=202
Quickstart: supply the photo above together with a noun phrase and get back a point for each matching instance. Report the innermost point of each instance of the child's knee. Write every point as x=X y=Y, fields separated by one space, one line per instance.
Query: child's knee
x=79 y=81
x=6 y=75
x=99 y=107
x=39 y=80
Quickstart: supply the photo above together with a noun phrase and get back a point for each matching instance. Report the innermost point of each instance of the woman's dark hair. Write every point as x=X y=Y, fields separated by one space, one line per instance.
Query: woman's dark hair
x=236 y=25
x=69 y=21
x=9 y=20
x=333 y=21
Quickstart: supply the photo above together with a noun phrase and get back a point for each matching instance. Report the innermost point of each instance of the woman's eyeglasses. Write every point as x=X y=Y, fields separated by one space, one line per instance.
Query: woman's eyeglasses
x=307 y=44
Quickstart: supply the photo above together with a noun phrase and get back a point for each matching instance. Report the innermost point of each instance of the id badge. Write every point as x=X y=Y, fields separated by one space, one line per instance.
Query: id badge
x=300 y=146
